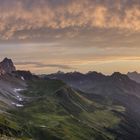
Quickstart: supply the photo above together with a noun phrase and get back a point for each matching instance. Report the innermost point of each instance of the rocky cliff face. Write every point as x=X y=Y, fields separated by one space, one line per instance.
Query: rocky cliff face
x=6 y=66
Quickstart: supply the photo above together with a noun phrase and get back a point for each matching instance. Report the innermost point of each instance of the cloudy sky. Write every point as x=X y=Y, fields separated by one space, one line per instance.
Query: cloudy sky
x=45 y=36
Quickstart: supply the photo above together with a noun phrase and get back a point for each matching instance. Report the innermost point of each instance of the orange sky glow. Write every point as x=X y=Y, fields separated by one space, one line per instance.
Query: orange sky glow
x=46 y=36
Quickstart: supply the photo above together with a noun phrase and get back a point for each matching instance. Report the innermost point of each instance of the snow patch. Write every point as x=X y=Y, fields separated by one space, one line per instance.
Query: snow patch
x=17 y=105
x=13 y=103
x=18 y=89
x=22 y=78
x=18 y=97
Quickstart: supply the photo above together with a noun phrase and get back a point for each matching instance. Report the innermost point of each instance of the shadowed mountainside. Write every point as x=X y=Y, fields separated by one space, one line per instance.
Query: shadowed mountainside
x=117 y=89
x=134 y=76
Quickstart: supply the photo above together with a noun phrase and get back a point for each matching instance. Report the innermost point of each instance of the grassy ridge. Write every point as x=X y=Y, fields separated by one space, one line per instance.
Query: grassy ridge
x=56 y=112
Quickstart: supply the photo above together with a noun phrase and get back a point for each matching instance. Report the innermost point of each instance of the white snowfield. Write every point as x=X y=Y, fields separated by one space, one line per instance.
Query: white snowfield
x=17 y=105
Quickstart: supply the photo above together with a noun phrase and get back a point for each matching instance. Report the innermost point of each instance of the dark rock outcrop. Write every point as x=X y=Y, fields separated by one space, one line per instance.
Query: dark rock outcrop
x=24 y=75
x=6 y=66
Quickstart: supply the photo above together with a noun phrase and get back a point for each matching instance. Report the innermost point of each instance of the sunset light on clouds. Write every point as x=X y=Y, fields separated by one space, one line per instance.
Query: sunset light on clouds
x=45 y=36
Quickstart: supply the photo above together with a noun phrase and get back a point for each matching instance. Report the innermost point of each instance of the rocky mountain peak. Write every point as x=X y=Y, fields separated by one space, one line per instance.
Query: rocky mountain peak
x=134 y=76
x=7 y=66
x=119 y=77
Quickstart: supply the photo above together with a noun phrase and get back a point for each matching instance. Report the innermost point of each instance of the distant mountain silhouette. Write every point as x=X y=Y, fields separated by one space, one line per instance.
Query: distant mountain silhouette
x=90 y=81
x=134 y=76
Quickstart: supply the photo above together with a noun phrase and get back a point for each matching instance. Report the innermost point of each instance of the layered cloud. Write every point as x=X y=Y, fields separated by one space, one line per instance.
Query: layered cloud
x=35 y=19
x=43 y=65
x=50 y=35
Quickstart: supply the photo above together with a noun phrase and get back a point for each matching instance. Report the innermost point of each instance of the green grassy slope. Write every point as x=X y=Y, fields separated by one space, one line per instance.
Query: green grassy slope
x=54 y=111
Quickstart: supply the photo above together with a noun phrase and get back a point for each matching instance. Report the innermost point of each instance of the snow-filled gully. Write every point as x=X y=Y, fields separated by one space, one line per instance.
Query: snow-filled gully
x=18 y=97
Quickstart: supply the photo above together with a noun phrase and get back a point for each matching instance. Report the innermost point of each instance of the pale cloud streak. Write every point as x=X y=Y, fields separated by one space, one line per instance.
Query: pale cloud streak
x=43 y=65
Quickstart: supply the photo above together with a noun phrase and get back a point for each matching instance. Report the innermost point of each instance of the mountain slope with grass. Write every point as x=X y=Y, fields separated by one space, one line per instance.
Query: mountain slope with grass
x=117 y=89
x=59 y=112
x=53 y=110
x=82 y=107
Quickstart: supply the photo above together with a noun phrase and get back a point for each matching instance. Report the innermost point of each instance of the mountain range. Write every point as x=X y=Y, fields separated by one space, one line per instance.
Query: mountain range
x=134 y=76
x=68 y=106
